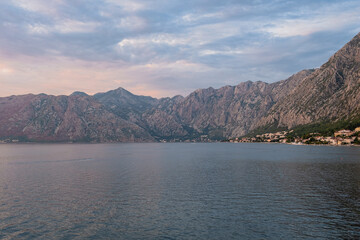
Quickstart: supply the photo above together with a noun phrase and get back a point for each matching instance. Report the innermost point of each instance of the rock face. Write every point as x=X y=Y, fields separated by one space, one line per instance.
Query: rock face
x=64 y=118
x=125 y=104
x=331 y=92
x=149 y=113
x=232 y=110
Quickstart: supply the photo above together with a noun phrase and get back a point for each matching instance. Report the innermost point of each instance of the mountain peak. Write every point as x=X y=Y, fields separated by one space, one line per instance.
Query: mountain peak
x=78 y=93
x=121 y=91
x=349 y=52
x=177 y=98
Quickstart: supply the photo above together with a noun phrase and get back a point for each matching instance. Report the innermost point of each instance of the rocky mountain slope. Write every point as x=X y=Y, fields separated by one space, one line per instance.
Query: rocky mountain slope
x=64 y=118
x=232 y=110
x=125 y=104
x=331 y=92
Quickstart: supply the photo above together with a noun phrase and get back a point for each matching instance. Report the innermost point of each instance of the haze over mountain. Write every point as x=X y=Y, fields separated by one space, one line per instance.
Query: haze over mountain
x=331 y=92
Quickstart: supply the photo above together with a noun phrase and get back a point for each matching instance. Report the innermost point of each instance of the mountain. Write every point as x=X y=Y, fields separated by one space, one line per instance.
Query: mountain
x=125 y=104
x=232 y=110
x=329 y=93
x=147 y=112
x=76 y=117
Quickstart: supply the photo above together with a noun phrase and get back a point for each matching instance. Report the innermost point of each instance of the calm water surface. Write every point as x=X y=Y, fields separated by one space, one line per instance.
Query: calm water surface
x=179 y=191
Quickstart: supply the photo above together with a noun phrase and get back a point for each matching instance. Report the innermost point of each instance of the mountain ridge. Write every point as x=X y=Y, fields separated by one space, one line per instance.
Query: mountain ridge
x=331 y=93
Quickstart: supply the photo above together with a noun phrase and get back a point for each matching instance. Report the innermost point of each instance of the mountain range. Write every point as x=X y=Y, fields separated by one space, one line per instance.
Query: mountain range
x=328 y=93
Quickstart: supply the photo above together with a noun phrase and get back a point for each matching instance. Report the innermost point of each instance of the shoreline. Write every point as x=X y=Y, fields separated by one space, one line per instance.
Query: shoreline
x=91 y=143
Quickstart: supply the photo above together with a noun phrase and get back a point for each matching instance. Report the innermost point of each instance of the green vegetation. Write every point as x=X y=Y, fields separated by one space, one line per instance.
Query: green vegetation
x=270 y=128
x=325 y=128
x=314 y=133
x=314 y=141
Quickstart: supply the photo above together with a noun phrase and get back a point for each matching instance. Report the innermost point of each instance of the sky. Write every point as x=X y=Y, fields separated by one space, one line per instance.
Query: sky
x=162 y=48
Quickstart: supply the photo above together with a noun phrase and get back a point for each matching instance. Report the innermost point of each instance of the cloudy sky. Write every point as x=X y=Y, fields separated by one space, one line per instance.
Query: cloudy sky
x=164 y=47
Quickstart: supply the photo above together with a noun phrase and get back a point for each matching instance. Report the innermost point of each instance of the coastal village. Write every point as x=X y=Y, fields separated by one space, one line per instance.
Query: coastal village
x=341 y=137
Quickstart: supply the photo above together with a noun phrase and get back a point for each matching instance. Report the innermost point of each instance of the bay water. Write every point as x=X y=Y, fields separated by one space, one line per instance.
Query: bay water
x=179 y=191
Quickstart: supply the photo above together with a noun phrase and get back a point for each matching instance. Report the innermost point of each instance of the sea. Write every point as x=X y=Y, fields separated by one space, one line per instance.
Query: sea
x=179 y=191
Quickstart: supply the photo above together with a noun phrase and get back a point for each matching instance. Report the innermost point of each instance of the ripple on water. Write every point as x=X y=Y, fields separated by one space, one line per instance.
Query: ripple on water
x=179 y=191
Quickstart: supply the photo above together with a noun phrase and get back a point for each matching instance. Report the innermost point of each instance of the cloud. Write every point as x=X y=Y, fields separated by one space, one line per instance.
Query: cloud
x=40 y=29
x=66 y=26
x=305 y=27
x=4 y=69
x=129 y=5
x=165 y=47
x=39 y=6
x=74 y=26
x=165 y=39
x=221 y=52
x=132 y=23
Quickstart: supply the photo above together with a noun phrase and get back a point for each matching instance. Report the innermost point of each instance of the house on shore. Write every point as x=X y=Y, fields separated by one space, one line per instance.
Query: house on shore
x=343 y=132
